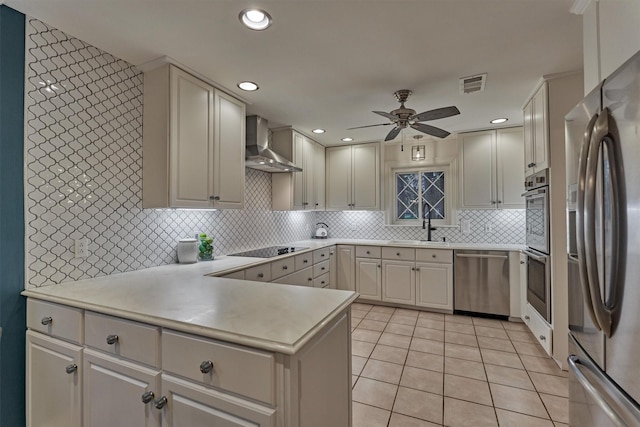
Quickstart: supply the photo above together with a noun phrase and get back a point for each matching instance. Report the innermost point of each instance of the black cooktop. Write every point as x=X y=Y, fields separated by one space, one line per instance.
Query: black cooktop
x=269 y=252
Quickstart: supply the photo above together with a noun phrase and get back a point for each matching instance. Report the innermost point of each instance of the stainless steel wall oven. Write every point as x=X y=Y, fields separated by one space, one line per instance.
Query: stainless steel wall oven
x=537 y=239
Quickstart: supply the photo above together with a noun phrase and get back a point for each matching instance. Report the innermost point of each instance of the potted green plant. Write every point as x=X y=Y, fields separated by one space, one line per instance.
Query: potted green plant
x=205 y=250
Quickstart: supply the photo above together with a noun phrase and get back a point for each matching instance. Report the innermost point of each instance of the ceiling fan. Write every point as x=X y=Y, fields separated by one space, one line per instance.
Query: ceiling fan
x=406 y=117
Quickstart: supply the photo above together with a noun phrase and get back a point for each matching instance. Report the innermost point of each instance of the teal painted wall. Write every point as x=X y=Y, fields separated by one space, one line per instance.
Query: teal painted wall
x=12 y=304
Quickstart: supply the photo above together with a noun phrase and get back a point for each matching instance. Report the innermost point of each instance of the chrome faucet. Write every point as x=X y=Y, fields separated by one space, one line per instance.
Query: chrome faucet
x=427 y=213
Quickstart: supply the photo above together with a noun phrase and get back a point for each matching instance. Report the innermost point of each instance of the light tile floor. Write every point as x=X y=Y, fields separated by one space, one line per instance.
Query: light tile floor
x=419 y=369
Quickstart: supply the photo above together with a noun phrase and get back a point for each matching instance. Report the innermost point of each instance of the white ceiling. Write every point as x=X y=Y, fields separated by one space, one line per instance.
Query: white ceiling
x=328 y=63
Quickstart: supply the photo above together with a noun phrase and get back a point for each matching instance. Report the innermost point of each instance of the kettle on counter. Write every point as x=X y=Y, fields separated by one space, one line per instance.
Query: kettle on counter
x=321 y=231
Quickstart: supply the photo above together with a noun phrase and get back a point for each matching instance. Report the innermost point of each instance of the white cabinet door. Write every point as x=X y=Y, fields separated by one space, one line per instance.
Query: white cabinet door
x=346 y=277
x=338 y=179
x=299 y=143
x=478 y=170
x=510 y=177
x=190 y=404
x=366 y=177
x=191 y=141
x=540 y=130
x=528 y=138
x=398 y=282
x=434 y=285
x=319 y=177
x=229 y=152
x=114 y=390
x=368 y=278
x=54 y=382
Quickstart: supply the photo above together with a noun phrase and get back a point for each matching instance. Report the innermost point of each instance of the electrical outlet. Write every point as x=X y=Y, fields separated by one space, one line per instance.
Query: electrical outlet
x=465 y=226
x=81 y=249
x=488 y=228
x=354 y=226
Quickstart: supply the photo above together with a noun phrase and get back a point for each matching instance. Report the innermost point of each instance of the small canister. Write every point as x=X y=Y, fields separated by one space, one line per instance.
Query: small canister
x=187 y=251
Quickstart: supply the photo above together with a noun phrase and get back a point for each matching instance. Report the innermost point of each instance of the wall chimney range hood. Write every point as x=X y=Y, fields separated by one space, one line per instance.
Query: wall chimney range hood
x=258 y=154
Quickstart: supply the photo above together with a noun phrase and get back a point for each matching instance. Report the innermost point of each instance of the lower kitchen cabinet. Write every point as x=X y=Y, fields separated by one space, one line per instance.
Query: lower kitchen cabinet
x=53 y=383
x=346 y=277
x=118 y=392
x=399 y=281
x=369 y=278
x=434 y=285
x=184 y=403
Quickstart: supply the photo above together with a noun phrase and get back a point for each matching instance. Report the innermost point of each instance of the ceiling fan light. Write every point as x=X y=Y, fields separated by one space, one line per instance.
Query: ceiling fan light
x=255 y=19
x=498 y=121
x=248 y=86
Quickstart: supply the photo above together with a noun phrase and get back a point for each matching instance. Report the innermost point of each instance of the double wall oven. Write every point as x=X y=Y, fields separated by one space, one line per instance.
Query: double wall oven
x=537 y=240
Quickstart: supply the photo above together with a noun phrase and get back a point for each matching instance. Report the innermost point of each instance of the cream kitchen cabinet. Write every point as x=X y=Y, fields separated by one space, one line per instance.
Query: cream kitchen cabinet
x=399 y=282
x=346 y=275
x=369 y=278
x=298 y=190
x=54 y=382
x=434 y=278
x=491 y=175
x=193 y=143
x=353 y=177
x=536 y=132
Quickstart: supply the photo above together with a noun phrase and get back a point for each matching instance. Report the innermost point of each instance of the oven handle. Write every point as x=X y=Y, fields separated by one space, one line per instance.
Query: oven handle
x=535 y=192
x=580 y=219
x=541 y=258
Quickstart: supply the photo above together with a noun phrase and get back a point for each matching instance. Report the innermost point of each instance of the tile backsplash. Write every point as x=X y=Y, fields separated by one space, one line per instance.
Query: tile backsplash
x=84 y=170
x=83 y=154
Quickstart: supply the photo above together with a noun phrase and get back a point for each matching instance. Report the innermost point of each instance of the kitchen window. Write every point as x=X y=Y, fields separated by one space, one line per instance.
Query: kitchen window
x=415 y=189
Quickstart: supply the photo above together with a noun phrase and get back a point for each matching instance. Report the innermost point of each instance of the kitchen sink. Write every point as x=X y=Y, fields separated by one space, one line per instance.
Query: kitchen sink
x=420 y=243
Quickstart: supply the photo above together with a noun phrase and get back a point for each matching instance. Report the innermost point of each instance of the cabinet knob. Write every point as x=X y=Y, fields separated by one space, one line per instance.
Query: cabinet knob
x=521 y=262
x=413 y=269
x=542 y=338
x=112 y=339
x=499 y=201
x=71 y=368
x=321 y=255
x=46 y=320
x=260 y=275
x=148 y=396
x=433 y=256
x=317 y=204
x=368 y=252
x=214 y=197
x=206 y=366
x=398 y=253
x=284 y=267
x=321 y=268
x=160 y=403
x=527 y=318
x=305 y=261
x=322 y=283
x=379 y=266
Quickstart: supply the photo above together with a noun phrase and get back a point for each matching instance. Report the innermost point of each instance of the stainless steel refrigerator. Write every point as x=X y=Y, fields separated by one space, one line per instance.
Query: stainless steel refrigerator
x=603 y=217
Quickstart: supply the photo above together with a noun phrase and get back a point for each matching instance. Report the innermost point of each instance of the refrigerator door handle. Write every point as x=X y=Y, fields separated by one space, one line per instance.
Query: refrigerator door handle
x=632 y=412
x=580 y=220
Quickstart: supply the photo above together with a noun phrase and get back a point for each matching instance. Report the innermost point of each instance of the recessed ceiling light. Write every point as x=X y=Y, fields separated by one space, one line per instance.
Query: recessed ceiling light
x=255 y=19
x=347 y=139
x=498 y=121
x=318 y=131
x=248 y=86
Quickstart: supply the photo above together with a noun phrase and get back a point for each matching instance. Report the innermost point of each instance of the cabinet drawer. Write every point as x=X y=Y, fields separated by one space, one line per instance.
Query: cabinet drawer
x=403 y=254
x=321 y=268
x=540 y=329
x=55 y=320
x=322 y=281
x=235 y=275
x=435 y=255
x=368 y=251
x=237 y=369
x=304 y=260
x=320 y=255
x=133 y=340
x=303 y=277
x=260 y=273
x=282 y=267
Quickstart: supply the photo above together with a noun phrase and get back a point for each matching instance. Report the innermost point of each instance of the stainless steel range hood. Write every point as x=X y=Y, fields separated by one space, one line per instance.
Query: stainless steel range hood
x=258 y=154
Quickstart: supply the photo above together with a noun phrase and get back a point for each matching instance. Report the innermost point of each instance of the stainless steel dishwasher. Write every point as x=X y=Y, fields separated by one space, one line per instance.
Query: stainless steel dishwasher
x=481 y=282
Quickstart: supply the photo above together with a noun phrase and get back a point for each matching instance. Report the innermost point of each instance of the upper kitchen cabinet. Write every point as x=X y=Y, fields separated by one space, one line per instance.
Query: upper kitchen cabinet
x=298 y=190
x=193 y=143
x=353 y=177
x=536 y=135
x=611 y=35
x=491 y=176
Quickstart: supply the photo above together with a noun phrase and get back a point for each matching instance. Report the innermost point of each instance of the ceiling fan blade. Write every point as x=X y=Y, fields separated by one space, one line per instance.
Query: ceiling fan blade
x=431 y=130
x=387 y=115
x=438 y=113
x=394 y=132
x=368 y=126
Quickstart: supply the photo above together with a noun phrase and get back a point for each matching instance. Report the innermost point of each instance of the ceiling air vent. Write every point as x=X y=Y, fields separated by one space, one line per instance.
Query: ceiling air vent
x=472 y=84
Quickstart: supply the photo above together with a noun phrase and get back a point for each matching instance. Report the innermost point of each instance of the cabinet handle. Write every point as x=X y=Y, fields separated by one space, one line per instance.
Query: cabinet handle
x=499 y=201
x=112 y=339
x=379 y=266
x=160 y=403
x=71 y=368
x=46 y=320
x=521 y=262
x=413 y=269
x=260 y=275
x=284 y=267
x=527 y=318
x=368 y=252
x=206 y=366
x=542 y=338
x=321 y=255
x=213 y=198
x=321 y=268
x=322 y=283
x=148 y=397
x=305 y=261
x=398 y=253
x=317 y=204
x=434 y=256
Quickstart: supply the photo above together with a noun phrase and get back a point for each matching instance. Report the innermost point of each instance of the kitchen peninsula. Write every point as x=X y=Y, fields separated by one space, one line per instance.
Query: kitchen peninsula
x=171 y=345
